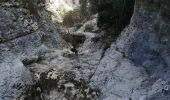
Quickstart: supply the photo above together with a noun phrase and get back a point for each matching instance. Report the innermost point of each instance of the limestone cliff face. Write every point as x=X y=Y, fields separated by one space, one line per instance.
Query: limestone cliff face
x=26 y=33
x=137 y=65
x=146 y=39
x=25 y=27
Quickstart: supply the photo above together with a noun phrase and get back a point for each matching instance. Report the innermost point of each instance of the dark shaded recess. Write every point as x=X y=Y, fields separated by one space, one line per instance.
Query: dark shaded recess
x=33 y=7
x=165 y=10
x=75 y=40
x=114 y=15
x=93 y=6
x=74 y=50
x=83 y=7
x=27 y=61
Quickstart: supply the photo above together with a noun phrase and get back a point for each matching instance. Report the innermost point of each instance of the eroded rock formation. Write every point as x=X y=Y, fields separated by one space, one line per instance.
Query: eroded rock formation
x=137 y=64
x=24 y=38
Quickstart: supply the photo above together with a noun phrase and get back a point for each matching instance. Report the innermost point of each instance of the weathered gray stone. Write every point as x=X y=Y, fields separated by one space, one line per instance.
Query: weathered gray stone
x=24 y=39
x=15 y=77
x=145 y=46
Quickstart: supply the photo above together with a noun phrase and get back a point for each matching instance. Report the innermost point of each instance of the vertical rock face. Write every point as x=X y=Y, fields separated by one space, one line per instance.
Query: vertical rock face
x=146 y=40
x=26 y=28
x=26 y=32
x=137 y=65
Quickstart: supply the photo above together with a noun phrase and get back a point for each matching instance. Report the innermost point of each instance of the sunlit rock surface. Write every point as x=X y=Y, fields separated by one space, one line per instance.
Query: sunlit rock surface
x=59 y=8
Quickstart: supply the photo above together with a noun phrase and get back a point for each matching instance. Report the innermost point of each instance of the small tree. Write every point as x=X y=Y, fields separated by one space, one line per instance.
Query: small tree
x=73 y=17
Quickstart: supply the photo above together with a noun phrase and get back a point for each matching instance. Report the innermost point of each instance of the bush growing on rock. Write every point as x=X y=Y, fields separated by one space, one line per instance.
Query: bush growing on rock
x=73 y=17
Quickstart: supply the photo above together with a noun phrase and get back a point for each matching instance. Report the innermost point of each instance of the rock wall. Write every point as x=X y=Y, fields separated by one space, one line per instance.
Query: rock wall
x=136 y=67
x=26 y=30
x=146 y=39
x=26 y=33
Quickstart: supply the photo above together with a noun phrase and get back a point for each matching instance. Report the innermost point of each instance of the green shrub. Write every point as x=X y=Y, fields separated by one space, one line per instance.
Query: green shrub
x=71 y=18
x=62 y=11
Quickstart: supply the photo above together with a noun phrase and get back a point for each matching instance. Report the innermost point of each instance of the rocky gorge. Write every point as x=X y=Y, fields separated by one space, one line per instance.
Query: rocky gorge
x=37 y=63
